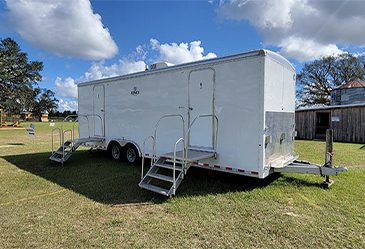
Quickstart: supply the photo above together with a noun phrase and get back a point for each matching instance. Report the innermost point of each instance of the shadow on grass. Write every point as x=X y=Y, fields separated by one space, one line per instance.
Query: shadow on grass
x=96 y=176
x=289 y=180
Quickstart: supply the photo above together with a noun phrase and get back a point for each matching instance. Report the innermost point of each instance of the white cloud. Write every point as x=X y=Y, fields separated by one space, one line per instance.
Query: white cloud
x=66 y=88
x=64 y=105
x=64 y=27
x=124 y=66
x=180 y=53
x=132 y=63
x=318 y=25
x=304 y=50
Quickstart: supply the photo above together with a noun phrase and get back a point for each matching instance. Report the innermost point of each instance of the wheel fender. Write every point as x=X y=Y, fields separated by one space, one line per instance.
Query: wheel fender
x=123 y=142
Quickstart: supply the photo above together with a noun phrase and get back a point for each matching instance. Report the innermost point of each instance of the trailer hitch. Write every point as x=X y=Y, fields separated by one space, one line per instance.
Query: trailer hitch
x=325 y=170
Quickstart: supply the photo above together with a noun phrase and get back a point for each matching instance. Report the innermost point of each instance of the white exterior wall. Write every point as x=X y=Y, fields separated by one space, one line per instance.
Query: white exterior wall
x=279 y=99
x=238 y=103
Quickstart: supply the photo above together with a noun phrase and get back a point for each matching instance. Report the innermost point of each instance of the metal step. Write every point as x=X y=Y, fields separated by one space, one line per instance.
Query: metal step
x=192 y=155
x=161 y=177
x=155 y=188
x=59 y=159
x=89 y=139
x=168 y=166
x=67 y=143
x=56 y=159
x=153 y=179
x=59 y=152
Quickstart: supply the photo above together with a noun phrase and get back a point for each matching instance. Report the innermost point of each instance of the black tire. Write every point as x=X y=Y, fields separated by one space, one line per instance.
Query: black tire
x=116 y=151
x=131 y=154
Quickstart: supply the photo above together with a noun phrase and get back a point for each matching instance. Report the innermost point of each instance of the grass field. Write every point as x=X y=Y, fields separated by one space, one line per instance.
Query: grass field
x=95 y=202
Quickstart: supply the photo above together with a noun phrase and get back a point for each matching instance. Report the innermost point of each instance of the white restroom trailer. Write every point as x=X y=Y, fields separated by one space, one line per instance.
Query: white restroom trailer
x=233 y=114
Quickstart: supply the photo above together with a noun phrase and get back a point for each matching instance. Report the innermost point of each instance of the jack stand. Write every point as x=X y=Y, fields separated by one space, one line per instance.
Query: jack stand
x=327 y=182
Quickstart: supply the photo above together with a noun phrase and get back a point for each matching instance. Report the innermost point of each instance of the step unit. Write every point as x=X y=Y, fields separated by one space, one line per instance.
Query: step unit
x=159 y=178
x=63 y=153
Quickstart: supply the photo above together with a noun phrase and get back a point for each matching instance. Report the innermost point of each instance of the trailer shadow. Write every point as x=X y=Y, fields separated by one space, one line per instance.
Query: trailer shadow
x=101 y=179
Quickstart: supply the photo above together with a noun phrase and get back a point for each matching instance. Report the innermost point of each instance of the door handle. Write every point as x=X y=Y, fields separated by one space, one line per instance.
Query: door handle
x=102 y=110
x=183 y=107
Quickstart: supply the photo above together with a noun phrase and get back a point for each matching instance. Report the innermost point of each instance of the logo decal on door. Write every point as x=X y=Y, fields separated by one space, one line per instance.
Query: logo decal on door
x=135 y=92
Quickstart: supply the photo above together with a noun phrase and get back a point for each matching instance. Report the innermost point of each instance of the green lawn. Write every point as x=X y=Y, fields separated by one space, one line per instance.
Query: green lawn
x=95 y=202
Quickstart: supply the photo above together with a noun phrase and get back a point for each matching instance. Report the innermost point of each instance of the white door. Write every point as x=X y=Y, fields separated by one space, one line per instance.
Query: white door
x=201 y=102
x=99 y=106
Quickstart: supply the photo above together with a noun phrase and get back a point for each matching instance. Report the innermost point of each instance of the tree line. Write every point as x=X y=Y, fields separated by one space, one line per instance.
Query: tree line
x=19 y=80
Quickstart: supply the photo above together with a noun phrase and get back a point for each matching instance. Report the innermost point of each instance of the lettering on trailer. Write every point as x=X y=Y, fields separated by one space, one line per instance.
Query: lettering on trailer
x=135 y=92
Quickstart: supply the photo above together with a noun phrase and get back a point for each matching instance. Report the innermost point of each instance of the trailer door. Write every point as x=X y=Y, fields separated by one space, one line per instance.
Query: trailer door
x=99 y=106
x=201 y=102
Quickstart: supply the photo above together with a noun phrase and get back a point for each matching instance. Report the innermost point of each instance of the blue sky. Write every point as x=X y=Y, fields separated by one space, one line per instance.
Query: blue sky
x=79 y=40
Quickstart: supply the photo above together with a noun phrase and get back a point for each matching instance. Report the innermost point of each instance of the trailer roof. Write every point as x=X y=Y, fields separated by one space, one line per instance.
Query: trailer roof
x=262 y=52
x=316 y=108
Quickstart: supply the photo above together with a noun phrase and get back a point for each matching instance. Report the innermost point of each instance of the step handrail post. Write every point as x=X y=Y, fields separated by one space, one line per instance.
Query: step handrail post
x=174 y=166
x=63 y=142
x=52 y=134
x=144 y=151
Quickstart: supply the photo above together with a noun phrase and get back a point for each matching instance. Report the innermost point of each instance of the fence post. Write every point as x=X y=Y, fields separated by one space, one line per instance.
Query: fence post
x=328 y=158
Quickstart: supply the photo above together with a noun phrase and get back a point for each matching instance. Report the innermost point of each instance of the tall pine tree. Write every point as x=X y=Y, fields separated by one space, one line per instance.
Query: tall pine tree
x=18 y=77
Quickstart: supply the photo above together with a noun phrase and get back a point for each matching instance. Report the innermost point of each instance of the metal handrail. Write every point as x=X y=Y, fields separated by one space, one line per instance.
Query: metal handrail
x=144 y=151
x=216 y=128
x=52 y=134
x=169 y=116
x=63 y=141
x=174 y=166
x=154 y=137
x=77 y=116
x=62 y=132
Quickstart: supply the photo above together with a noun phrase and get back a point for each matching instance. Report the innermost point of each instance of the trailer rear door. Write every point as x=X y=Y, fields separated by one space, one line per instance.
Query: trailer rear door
x=201 y=101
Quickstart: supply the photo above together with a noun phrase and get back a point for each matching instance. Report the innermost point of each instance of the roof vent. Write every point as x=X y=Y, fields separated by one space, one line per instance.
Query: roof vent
x=159 y=65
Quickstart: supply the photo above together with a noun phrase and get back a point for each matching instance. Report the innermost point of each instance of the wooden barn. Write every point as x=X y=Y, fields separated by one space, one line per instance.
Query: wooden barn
x=347 y=122
x=345 y=115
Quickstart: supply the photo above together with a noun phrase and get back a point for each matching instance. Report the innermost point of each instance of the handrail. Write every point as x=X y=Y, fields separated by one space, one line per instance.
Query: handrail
x=52 y=134
x=63 y=141
x=75 y=119
x=64 y=132
x=169 y=116
x=216 y=128
x=174 y=167
x=154 y=137
x=144 y=151
x=77 y=116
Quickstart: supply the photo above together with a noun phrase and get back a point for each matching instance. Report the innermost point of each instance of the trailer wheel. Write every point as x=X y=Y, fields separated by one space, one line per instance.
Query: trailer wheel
x=131 y=154
x=116 y=151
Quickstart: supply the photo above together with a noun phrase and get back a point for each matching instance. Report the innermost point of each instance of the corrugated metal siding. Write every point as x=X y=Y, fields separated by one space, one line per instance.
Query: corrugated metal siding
x=349 y=128
x=348 y=96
